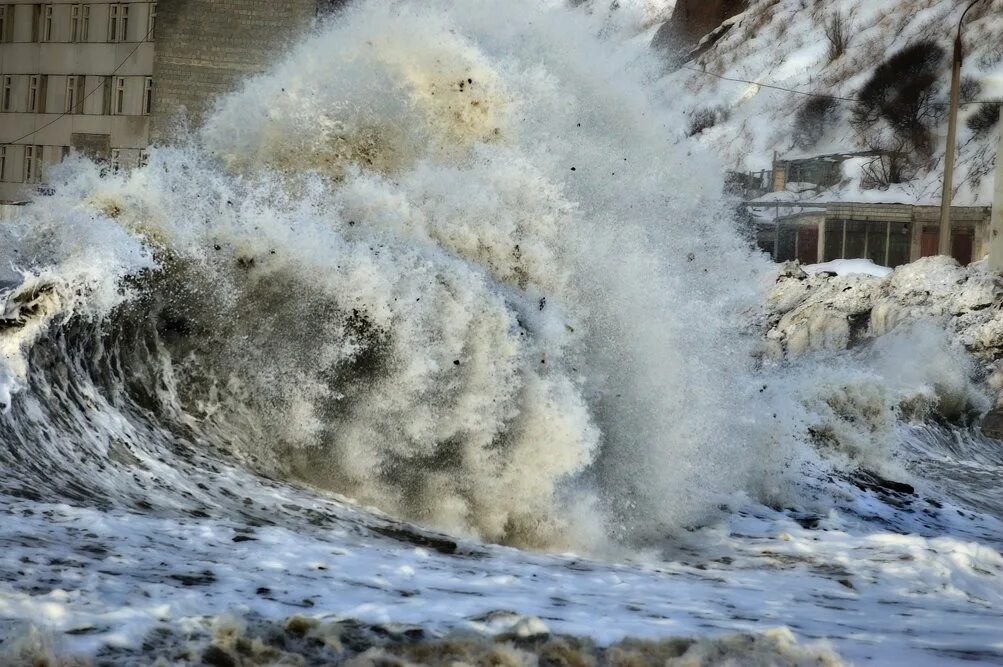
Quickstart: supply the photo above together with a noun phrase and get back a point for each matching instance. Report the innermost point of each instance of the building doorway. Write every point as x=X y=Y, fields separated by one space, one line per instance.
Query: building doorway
x=961 y=244
x=930 y=243
x=807 y=250
x=961 y=247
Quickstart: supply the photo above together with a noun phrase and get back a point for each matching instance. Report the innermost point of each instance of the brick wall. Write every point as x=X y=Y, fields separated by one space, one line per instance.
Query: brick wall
x=205 y=48
x=870 y=212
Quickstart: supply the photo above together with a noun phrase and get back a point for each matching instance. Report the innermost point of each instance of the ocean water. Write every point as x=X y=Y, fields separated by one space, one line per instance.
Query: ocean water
x=443 y=321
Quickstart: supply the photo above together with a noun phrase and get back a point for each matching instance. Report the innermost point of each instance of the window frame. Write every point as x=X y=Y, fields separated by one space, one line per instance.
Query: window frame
x=32 y=168
x=118 y=23
x=34 y=90
x=147 y=96
x=72 y=94
x=76 y=17
x=6 y=22
x=118 y=96
x=7 y=94
x=85 y=22
x=47 y=20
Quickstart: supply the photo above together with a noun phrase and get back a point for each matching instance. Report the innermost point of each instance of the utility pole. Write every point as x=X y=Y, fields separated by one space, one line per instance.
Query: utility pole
x=952 y=138
x=996 y=226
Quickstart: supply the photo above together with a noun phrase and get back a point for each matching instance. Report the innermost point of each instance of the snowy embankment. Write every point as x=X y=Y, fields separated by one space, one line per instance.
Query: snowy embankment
x=843 y=305
x=792 y=48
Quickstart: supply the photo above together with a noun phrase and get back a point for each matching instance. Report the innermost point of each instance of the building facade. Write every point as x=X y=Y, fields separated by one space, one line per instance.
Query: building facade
x=813 y=230
x=887 y=234
x=107 y=78
x=205 y=48
x=73 y=76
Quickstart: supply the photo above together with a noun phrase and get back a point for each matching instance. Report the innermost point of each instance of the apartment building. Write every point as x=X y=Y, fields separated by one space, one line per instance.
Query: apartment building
x=106 y=78
x=73 y=76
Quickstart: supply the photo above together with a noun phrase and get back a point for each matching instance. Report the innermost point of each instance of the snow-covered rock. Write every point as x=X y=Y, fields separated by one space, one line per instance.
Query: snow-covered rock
x=819 y=310
x=898 y=322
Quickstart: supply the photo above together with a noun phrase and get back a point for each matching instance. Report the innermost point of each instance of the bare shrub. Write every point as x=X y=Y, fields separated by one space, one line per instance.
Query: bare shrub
x=704 y=119
x=812 y=120
x=970 y=89
x=888 y=169
x=837 y=31
x=902 y=93
x=985 y=118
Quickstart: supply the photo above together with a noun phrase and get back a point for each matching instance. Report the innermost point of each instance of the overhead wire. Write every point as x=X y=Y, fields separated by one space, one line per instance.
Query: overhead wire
x=772 y=86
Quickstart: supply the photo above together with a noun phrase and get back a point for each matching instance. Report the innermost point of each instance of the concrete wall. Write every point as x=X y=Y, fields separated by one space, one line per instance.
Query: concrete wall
x=870 y=212
x=205 y=48
x=975 y=218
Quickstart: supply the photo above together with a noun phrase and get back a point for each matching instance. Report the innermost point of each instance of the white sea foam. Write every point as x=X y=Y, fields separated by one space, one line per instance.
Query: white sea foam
x=453 y=262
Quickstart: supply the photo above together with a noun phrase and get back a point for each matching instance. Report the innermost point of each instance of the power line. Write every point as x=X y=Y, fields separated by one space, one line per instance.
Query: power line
x=820 y=95
x=80 y=104
x=771 y=86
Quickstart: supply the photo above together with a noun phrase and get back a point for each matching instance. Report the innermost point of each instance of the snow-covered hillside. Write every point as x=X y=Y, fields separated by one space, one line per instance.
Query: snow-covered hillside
x=784 y=43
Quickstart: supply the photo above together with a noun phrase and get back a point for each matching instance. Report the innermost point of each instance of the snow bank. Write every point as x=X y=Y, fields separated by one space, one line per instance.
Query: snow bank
x=846 y=267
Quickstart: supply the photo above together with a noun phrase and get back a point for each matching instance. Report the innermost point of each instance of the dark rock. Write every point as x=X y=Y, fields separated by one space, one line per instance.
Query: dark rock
x=870 y=481
x=217 y=657
x=992 y=424
x=691 y=20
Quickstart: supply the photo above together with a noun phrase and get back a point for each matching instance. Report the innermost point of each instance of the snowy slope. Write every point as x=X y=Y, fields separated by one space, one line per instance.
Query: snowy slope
x=784 y=43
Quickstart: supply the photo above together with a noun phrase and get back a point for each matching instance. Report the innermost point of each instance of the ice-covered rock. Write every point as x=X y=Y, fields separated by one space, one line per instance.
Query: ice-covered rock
x=819 y=311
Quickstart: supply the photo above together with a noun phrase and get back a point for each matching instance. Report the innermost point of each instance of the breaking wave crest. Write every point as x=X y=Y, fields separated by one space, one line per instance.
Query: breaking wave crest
x=450 y=261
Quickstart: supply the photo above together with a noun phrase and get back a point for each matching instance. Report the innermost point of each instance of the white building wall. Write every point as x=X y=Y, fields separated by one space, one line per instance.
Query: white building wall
x=24 y=53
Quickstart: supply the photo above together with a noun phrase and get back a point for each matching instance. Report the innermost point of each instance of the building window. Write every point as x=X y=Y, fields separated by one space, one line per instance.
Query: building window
x=65 y=153
x=6 y=23
x=144 y=158
x=75 y=23
x=116 y=160
x=85 y=23
x=36 y=93
x=73 y=96
x=33 y=85
x=7 y=101
x=148 y=96
x=36 y=23
x=118 y=23
x=80 y=18
x=32 y=164
x=899 y=244
x=47 y=11
x=884 y=243
x=118 y=96
x=3 y=163
x=151 y=23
